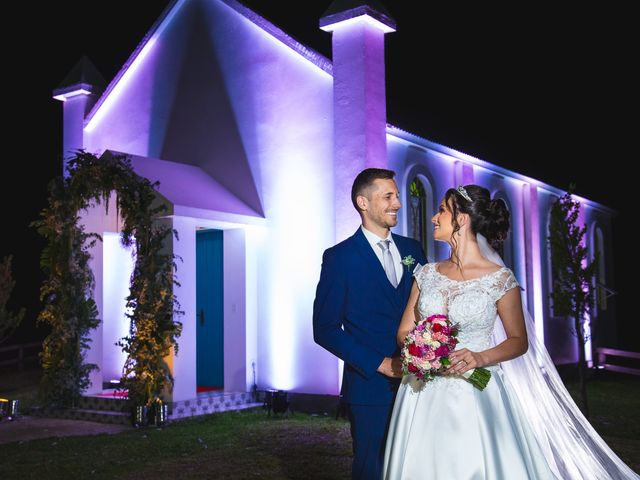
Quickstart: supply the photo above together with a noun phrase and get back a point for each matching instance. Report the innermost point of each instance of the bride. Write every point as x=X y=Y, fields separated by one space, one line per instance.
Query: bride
x=524 y=424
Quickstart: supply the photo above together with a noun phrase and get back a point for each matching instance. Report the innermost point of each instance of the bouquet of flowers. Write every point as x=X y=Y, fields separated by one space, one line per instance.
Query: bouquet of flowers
x=426 y=350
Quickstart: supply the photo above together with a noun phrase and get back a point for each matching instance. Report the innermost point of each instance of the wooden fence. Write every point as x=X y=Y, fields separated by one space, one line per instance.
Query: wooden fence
x=23 y=352
x=605 y=353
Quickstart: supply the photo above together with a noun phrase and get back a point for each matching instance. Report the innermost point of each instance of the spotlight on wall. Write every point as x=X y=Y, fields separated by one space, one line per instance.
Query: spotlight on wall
x=9 y=408
x=276 y=401
x=111 y=384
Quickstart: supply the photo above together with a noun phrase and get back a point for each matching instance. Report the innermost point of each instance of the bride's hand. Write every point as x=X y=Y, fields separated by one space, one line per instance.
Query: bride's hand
x=464 y=360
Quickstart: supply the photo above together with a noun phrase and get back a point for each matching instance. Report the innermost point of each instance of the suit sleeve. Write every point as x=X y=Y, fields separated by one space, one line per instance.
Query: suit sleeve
x=329 y=309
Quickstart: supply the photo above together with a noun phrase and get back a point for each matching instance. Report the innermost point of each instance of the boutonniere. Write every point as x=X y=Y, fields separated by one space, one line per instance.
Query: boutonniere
x=408 y=261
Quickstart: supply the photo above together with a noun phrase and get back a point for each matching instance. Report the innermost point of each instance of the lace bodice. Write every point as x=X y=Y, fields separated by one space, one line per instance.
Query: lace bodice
x=469 y=303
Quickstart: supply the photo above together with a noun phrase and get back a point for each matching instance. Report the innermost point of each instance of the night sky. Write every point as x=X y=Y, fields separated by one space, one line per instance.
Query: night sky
x=539 y=90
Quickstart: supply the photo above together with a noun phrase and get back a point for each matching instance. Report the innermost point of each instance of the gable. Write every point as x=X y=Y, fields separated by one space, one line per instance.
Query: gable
x=204 y=91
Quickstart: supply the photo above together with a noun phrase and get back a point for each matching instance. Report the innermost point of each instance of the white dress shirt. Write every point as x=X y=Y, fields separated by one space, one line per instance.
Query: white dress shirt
x=373 y=240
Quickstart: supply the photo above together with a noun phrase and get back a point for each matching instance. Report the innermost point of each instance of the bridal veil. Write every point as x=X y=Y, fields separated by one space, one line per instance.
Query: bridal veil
x=574 y=450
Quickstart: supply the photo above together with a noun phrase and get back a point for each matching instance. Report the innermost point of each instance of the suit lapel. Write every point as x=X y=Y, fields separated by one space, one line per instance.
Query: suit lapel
x=373 y=264
x=407 y=271
x=400 y=246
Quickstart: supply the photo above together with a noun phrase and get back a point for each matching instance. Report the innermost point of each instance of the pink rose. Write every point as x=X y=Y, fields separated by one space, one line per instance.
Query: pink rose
x=440 y=337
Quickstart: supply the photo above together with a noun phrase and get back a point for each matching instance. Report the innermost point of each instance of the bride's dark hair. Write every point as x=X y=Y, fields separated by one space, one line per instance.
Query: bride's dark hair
x=489 y=217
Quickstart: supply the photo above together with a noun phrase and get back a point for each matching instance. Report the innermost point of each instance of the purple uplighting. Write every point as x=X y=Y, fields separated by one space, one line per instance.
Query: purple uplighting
x=256 y=135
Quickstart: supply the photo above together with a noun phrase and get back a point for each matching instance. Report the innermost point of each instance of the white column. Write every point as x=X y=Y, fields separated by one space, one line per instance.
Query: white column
x=359 y=104
x=236 y=370
x=76 y=100
x=183 y=365
x=533 y=245
x=73 y=125
x=462 y=173
x=96 y=220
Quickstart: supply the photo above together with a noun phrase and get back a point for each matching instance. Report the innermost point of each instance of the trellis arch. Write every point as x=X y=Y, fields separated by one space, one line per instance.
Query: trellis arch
x=69 y=308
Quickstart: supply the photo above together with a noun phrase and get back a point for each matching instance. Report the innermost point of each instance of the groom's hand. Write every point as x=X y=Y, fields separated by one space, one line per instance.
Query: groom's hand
x=391 y=367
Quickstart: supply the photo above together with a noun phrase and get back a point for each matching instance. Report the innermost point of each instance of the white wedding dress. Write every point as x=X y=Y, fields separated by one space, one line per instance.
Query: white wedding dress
x=446 y=428
x=523 y=425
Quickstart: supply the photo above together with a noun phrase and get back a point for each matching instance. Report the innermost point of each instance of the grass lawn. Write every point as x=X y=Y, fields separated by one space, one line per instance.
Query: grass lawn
x=249 y=444
x=614 y=402
x=234 y=445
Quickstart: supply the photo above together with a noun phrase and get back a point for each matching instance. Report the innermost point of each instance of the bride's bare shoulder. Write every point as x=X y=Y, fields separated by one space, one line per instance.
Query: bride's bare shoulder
x=474 y=270
x=490 y=267
x=444 y=266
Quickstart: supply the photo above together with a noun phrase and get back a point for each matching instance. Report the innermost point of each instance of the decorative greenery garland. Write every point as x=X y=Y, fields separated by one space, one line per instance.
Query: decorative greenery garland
x=69 y=308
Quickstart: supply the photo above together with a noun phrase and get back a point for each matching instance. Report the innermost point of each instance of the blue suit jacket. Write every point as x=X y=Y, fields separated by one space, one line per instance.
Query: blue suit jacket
x=356 y=314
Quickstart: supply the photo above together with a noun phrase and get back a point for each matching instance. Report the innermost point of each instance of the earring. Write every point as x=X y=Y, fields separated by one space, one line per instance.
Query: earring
x=459 y=233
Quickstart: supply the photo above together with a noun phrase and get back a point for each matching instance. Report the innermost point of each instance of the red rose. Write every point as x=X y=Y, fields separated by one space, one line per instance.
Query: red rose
x=436 y=327
x=413 y=368
x=442 y=351
x=415 y=350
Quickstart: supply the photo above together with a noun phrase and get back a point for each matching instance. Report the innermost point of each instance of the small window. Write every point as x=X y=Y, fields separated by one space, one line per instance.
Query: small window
x=418 y=220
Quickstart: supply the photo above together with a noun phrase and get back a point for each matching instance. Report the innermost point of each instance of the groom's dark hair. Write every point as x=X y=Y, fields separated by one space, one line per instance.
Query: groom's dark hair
x=365 y=180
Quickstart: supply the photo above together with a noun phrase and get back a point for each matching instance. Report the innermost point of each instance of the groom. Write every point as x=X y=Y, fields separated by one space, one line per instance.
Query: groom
x=364 y=287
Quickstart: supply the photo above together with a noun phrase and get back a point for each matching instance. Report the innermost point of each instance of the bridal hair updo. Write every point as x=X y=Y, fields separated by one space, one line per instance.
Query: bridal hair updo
x=489 y=217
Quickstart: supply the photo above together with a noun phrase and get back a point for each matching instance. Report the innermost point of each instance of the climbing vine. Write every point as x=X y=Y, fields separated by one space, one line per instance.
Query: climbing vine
x=69 y=308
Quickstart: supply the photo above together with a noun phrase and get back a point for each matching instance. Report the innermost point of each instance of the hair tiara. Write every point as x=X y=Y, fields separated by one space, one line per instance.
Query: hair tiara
x=462 y=191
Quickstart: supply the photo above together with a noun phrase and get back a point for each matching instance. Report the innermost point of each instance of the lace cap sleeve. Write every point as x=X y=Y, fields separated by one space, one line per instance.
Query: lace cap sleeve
x=419 y=273
x=506 y=281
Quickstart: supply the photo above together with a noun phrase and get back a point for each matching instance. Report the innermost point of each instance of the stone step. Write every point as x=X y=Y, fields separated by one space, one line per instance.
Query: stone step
x=101 y=416
x=114 y=404
x=212 y=402
x=116 y=410
x=180 y=413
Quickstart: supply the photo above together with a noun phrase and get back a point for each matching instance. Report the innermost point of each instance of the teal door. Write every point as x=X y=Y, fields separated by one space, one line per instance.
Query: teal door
x=209 y=303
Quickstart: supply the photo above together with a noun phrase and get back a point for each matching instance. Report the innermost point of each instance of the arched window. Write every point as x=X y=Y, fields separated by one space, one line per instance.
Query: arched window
x=419 y=203
x=418 y=218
